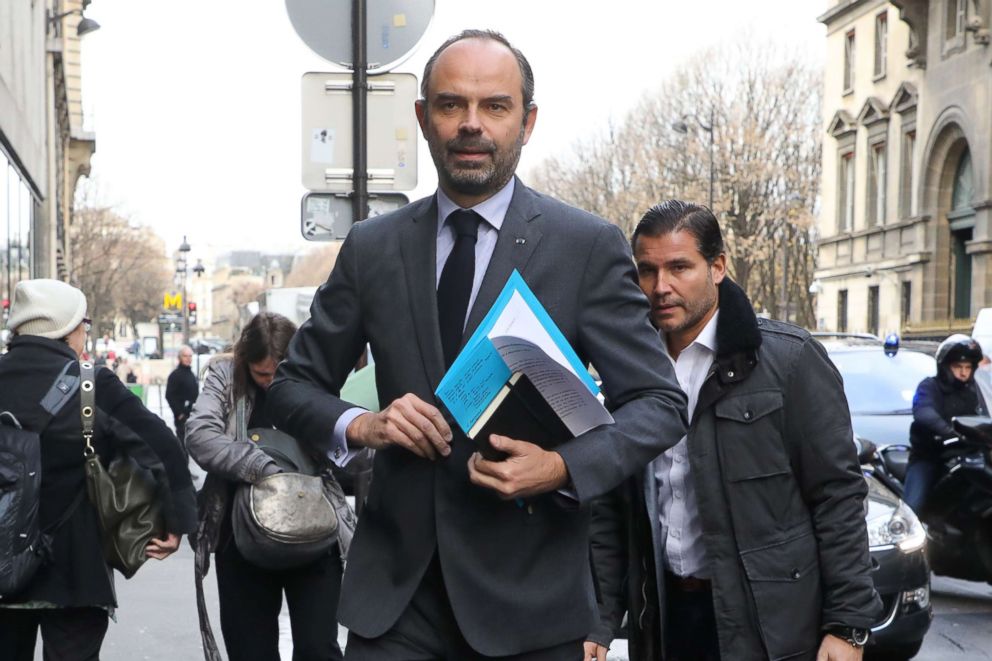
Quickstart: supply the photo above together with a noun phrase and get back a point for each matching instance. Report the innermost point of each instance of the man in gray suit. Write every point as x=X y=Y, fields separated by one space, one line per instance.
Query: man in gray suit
x=456 y=557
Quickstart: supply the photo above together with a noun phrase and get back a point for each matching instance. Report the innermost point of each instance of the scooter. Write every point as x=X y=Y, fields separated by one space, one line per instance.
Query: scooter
x=958 y=513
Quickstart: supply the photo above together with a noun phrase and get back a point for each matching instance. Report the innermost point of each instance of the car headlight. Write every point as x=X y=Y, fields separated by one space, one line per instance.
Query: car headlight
x=897 y=527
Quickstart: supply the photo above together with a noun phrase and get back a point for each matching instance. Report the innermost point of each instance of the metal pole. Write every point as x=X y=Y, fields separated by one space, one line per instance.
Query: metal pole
x=360 y=196
x=185 y=308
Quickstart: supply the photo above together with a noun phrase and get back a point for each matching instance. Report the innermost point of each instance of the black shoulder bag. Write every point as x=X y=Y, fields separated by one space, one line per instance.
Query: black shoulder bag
x=124 y=494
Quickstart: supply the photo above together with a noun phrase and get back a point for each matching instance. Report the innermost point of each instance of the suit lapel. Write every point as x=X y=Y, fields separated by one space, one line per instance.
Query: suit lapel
x=418 y=247
x=518 y=237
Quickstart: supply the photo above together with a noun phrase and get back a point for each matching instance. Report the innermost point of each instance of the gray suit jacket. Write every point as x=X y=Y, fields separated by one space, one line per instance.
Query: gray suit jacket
x=518 y=577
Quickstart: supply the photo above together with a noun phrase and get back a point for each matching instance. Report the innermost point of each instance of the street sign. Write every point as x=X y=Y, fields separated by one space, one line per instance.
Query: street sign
x=329 y=216
x=172 y=300
x=393 y=29
x=328 y=137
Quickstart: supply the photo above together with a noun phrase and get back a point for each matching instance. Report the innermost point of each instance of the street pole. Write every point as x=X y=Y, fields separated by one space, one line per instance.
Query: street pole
x=359 y=96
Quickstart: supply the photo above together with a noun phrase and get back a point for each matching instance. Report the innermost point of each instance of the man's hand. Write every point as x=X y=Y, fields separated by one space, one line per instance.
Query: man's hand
x=408 y=422
x=528 y=471
x=837 y=649
x=593 y=651
x=160 y=549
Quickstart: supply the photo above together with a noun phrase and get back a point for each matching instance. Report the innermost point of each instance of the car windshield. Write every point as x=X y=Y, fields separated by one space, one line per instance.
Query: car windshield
x=876 y=383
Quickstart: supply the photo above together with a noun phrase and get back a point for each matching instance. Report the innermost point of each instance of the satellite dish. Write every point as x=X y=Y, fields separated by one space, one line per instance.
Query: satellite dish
x=393 y=29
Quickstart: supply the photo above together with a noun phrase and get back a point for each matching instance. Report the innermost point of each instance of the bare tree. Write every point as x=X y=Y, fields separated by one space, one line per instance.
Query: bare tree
x=760 y=106
x=121 y=268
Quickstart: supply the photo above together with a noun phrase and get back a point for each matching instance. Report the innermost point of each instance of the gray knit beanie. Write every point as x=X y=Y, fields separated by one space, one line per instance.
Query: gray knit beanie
x=46 y=308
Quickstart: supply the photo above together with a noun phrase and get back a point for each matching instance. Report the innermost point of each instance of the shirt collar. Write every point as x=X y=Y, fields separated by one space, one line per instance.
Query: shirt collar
x=493 y=209
x=706 y=337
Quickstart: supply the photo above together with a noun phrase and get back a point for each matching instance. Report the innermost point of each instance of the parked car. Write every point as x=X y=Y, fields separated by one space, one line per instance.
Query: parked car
x=879 y=384
x=880 y=381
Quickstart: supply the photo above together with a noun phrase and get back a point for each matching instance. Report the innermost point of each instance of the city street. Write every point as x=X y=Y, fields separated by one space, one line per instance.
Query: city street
x=157 y=616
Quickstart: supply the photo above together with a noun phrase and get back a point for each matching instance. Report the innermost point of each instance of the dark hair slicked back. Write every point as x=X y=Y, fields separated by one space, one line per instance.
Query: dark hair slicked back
x=526 y=73
x=677 y=216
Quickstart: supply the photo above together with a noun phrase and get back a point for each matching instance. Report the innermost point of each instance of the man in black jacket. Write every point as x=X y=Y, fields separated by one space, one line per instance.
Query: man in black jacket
x=747 y=539
x=181 y=391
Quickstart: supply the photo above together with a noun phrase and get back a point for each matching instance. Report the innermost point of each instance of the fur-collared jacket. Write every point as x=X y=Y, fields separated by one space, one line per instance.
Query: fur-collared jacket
x=780 y=496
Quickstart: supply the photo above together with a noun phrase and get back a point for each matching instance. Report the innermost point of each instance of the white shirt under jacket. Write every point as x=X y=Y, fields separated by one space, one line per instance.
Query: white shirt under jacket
x=678 y=511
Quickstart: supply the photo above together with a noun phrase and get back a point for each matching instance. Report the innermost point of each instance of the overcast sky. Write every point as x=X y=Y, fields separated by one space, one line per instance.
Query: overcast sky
x=196 y=103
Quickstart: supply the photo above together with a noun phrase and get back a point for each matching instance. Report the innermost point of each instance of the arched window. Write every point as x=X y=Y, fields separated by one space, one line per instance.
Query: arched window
x=964 y=187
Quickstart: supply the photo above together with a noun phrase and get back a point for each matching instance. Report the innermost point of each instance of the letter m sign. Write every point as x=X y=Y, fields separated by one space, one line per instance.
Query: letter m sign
x=172 y=300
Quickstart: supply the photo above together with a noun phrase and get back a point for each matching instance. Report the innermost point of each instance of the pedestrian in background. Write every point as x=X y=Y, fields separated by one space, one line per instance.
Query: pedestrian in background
x=181 y=391
x=747 y=539
x=457 y=557
x=250 y=596
x=953 y=391
x=70 y=597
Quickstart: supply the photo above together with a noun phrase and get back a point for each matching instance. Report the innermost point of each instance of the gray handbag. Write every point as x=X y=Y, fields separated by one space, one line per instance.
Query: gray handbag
x=284 y=520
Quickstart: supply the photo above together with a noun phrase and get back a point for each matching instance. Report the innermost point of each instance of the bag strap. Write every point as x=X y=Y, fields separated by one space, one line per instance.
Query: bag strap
x=87 y=404
x=241 y=419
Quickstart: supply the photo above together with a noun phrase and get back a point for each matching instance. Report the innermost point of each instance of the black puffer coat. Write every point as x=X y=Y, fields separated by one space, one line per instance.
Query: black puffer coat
x=78 y=575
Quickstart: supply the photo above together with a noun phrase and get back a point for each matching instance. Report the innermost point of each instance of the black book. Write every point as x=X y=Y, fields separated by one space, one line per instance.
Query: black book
x=520 y=412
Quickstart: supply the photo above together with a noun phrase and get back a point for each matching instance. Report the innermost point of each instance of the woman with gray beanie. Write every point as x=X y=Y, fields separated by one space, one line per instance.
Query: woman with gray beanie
x=72 y=594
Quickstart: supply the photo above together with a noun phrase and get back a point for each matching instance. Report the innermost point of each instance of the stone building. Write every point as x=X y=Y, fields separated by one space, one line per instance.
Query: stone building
x=904 y=229
x=44 y=146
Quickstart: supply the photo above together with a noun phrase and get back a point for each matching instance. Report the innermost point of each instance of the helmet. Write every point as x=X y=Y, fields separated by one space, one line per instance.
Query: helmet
x=958 y=348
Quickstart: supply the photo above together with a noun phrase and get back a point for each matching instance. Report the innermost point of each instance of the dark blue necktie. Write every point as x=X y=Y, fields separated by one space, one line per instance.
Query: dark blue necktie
x=454 y=289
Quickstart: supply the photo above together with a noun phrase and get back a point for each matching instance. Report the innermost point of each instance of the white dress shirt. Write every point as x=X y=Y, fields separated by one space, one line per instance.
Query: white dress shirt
x=678 y=510
x=493 y=211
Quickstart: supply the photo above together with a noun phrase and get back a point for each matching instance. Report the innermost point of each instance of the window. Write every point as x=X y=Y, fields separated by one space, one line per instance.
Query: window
x=17 y=208
x=907 y=301
x=845 y=188
x=849 y=62
x=873 y=309
x=876 y=184
x=906 y=174
x=956 y=12
x=881 y=43
x=842 y=311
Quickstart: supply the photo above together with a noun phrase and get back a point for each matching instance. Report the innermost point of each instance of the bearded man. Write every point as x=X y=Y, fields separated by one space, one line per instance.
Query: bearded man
x=747 y=539
x=457 y=557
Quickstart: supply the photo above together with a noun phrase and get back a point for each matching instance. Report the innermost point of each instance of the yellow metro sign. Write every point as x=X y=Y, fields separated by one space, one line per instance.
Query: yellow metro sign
x=172 y=300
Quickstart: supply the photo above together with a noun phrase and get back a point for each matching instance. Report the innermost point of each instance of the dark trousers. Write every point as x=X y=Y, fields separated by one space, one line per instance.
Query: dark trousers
x=67 y=634
x=690 y=623
x=251 y=598
x=921 y=475
x=427 y=631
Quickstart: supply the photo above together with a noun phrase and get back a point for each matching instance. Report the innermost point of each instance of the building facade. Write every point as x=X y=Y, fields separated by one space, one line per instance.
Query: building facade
x=904 y=229
x=44 y=148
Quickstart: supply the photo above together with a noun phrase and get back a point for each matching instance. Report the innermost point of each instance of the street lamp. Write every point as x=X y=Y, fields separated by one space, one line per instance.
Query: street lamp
x=181 y=271
x=85 y=25
x=683 y=128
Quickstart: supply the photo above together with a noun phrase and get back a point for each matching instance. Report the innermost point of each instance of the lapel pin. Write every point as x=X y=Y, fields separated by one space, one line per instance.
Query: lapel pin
x=521 y=240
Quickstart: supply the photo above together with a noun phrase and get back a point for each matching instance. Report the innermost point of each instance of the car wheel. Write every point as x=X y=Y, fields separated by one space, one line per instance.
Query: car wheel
x=894 y=652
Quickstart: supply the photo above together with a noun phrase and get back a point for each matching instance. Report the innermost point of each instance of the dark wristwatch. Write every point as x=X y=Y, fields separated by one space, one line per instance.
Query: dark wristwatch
x=853 y=635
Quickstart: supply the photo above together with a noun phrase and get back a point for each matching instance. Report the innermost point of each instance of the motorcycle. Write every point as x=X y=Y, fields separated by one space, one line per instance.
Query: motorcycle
x=958 y=513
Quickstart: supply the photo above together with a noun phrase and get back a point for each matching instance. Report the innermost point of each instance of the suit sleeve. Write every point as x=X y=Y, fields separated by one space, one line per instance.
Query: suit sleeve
x=833 y=487
x=303 y=398
x=617 y=338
